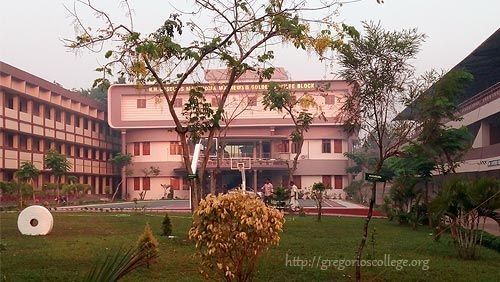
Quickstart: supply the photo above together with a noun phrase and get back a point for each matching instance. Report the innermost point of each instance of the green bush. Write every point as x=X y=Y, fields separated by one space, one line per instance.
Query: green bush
x=166 y=226
x=490 y=241
x=8 y=188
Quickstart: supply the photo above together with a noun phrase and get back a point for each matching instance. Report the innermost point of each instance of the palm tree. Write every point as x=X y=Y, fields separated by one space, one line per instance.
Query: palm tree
x=58 y=164
x=27 y=173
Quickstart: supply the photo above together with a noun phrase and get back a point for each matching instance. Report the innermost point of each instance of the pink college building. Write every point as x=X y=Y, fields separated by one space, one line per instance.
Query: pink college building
x=259 y=138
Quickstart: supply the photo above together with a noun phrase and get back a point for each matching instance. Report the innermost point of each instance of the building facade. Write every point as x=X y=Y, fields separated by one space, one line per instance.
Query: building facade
x=36 y=115
x=257 y=138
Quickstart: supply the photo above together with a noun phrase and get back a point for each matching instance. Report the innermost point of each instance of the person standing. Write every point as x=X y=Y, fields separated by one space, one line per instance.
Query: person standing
x=267 y=189
x=294 y=199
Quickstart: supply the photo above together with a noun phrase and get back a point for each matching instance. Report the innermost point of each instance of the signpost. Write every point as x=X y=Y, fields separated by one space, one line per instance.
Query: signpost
x=374 y=177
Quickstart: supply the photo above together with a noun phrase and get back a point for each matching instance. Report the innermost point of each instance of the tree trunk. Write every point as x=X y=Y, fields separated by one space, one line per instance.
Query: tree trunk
x=428 y=211
x=116 y=190
x=362 y=244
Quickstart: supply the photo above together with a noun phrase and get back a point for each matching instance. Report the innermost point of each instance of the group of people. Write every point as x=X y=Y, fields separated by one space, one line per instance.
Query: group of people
x=268 y=189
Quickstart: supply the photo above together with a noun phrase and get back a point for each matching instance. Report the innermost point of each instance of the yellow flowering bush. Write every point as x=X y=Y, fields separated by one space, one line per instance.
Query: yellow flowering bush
x=231 y=231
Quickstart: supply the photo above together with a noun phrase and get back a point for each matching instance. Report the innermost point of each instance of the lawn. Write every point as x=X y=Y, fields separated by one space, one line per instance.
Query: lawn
x=79 y=239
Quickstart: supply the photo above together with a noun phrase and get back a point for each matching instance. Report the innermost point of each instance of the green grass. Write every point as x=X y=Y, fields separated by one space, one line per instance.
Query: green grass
x=79 y=239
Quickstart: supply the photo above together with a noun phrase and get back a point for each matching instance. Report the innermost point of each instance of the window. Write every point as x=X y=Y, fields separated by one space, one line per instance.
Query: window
x=145 y=148
x=137 y=148
x=77 y=151
x=327 y=181
x=47 y=112
x=68 y=150
x=92 y=125
x=35 y=144
x=85 y=123
x=338 y=182
x=95 y=153
x=47 y=145
x=67 y=118
x=23 y=142
x=9 y=140
x=295 y=147
x=77 y=121
x=89 y=153
x=23 y=105
x=283 y=146
x=101 y=127
x=141 y=103
x=58 y=115
x=59 y=147
x=137 y=183
x=175 y=148
x=337 y=146
x=175 y=182
x=252 y=101
x=85 y=153
x=9 y=101
x=214 y=102
x=330 y=100
x=146 y=184
x=35 y=109
x=326 y=146
x=178 y=103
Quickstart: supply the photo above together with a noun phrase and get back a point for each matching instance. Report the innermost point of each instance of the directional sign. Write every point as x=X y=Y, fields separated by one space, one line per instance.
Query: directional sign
x=374 y=177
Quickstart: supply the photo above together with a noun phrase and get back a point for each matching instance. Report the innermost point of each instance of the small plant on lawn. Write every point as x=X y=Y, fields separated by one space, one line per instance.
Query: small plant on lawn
x=231 y=232
x=166 y=226
x=318 y=193
x=148 y=242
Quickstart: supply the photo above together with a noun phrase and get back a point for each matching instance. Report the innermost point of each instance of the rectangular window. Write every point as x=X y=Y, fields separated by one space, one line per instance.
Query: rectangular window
x=284 y=146
x=252 y=101
x=327 y=181
x=89 y=153
x=35 y=108
x=178 y=103
x=47 y=112
x=95 y=153
x=85 y=153
x=214 y=102
x=338 y=182
x=137 y=183
x=9 y=140
x=137 y=148
x=47 y=145
x=337 y=146
x=58 y=115
x=77 y=121
x=146 y=184
x=92 y=125
x=68 y=150
x=330 y=100
x=77 y=151
x=175 y=148
x=145 y=148
x=67 y=118
x=35 y=144
x=85 y=123
x=23 y=105
x=23 y=142
x=9 y=101
x=59 y=147
x=141 y=103
x=326 y=146
x=175 y=182
x=295 y=147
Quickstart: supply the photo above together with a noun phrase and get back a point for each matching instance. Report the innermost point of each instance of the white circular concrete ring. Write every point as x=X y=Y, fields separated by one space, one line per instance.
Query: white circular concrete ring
x=35 y=220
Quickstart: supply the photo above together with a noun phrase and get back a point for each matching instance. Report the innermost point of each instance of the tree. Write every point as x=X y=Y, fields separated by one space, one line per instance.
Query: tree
x=376 y=65
x=462 y=204
x=25 y=174
x=298 y=109
x=59 y=166
x=120 y=161
x=317 y=193
x=240 y=39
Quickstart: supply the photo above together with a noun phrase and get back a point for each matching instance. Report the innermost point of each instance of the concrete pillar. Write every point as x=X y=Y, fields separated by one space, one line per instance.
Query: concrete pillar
x=255 y=180
x=123 y=175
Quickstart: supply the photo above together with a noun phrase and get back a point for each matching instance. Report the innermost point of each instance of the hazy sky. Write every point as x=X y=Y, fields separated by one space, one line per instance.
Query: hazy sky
x=31 y=33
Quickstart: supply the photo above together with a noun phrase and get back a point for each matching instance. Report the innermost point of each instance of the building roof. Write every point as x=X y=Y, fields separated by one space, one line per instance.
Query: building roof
x=42 y=83
x=222 y=75
x=483 y=63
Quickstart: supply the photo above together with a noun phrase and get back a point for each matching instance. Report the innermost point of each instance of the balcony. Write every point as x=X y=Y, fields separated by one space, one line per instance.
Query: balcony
x=265 y=162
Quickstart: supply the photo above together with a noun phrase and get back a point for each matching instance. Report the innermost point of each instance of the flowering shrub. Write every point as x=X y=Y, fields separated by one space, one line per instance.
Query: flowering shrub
x=231 y=232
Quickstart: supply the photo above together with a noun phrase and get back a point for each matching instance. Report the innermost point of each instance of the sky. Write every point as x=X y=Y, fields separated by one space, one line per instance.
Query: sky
x=31 y=34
